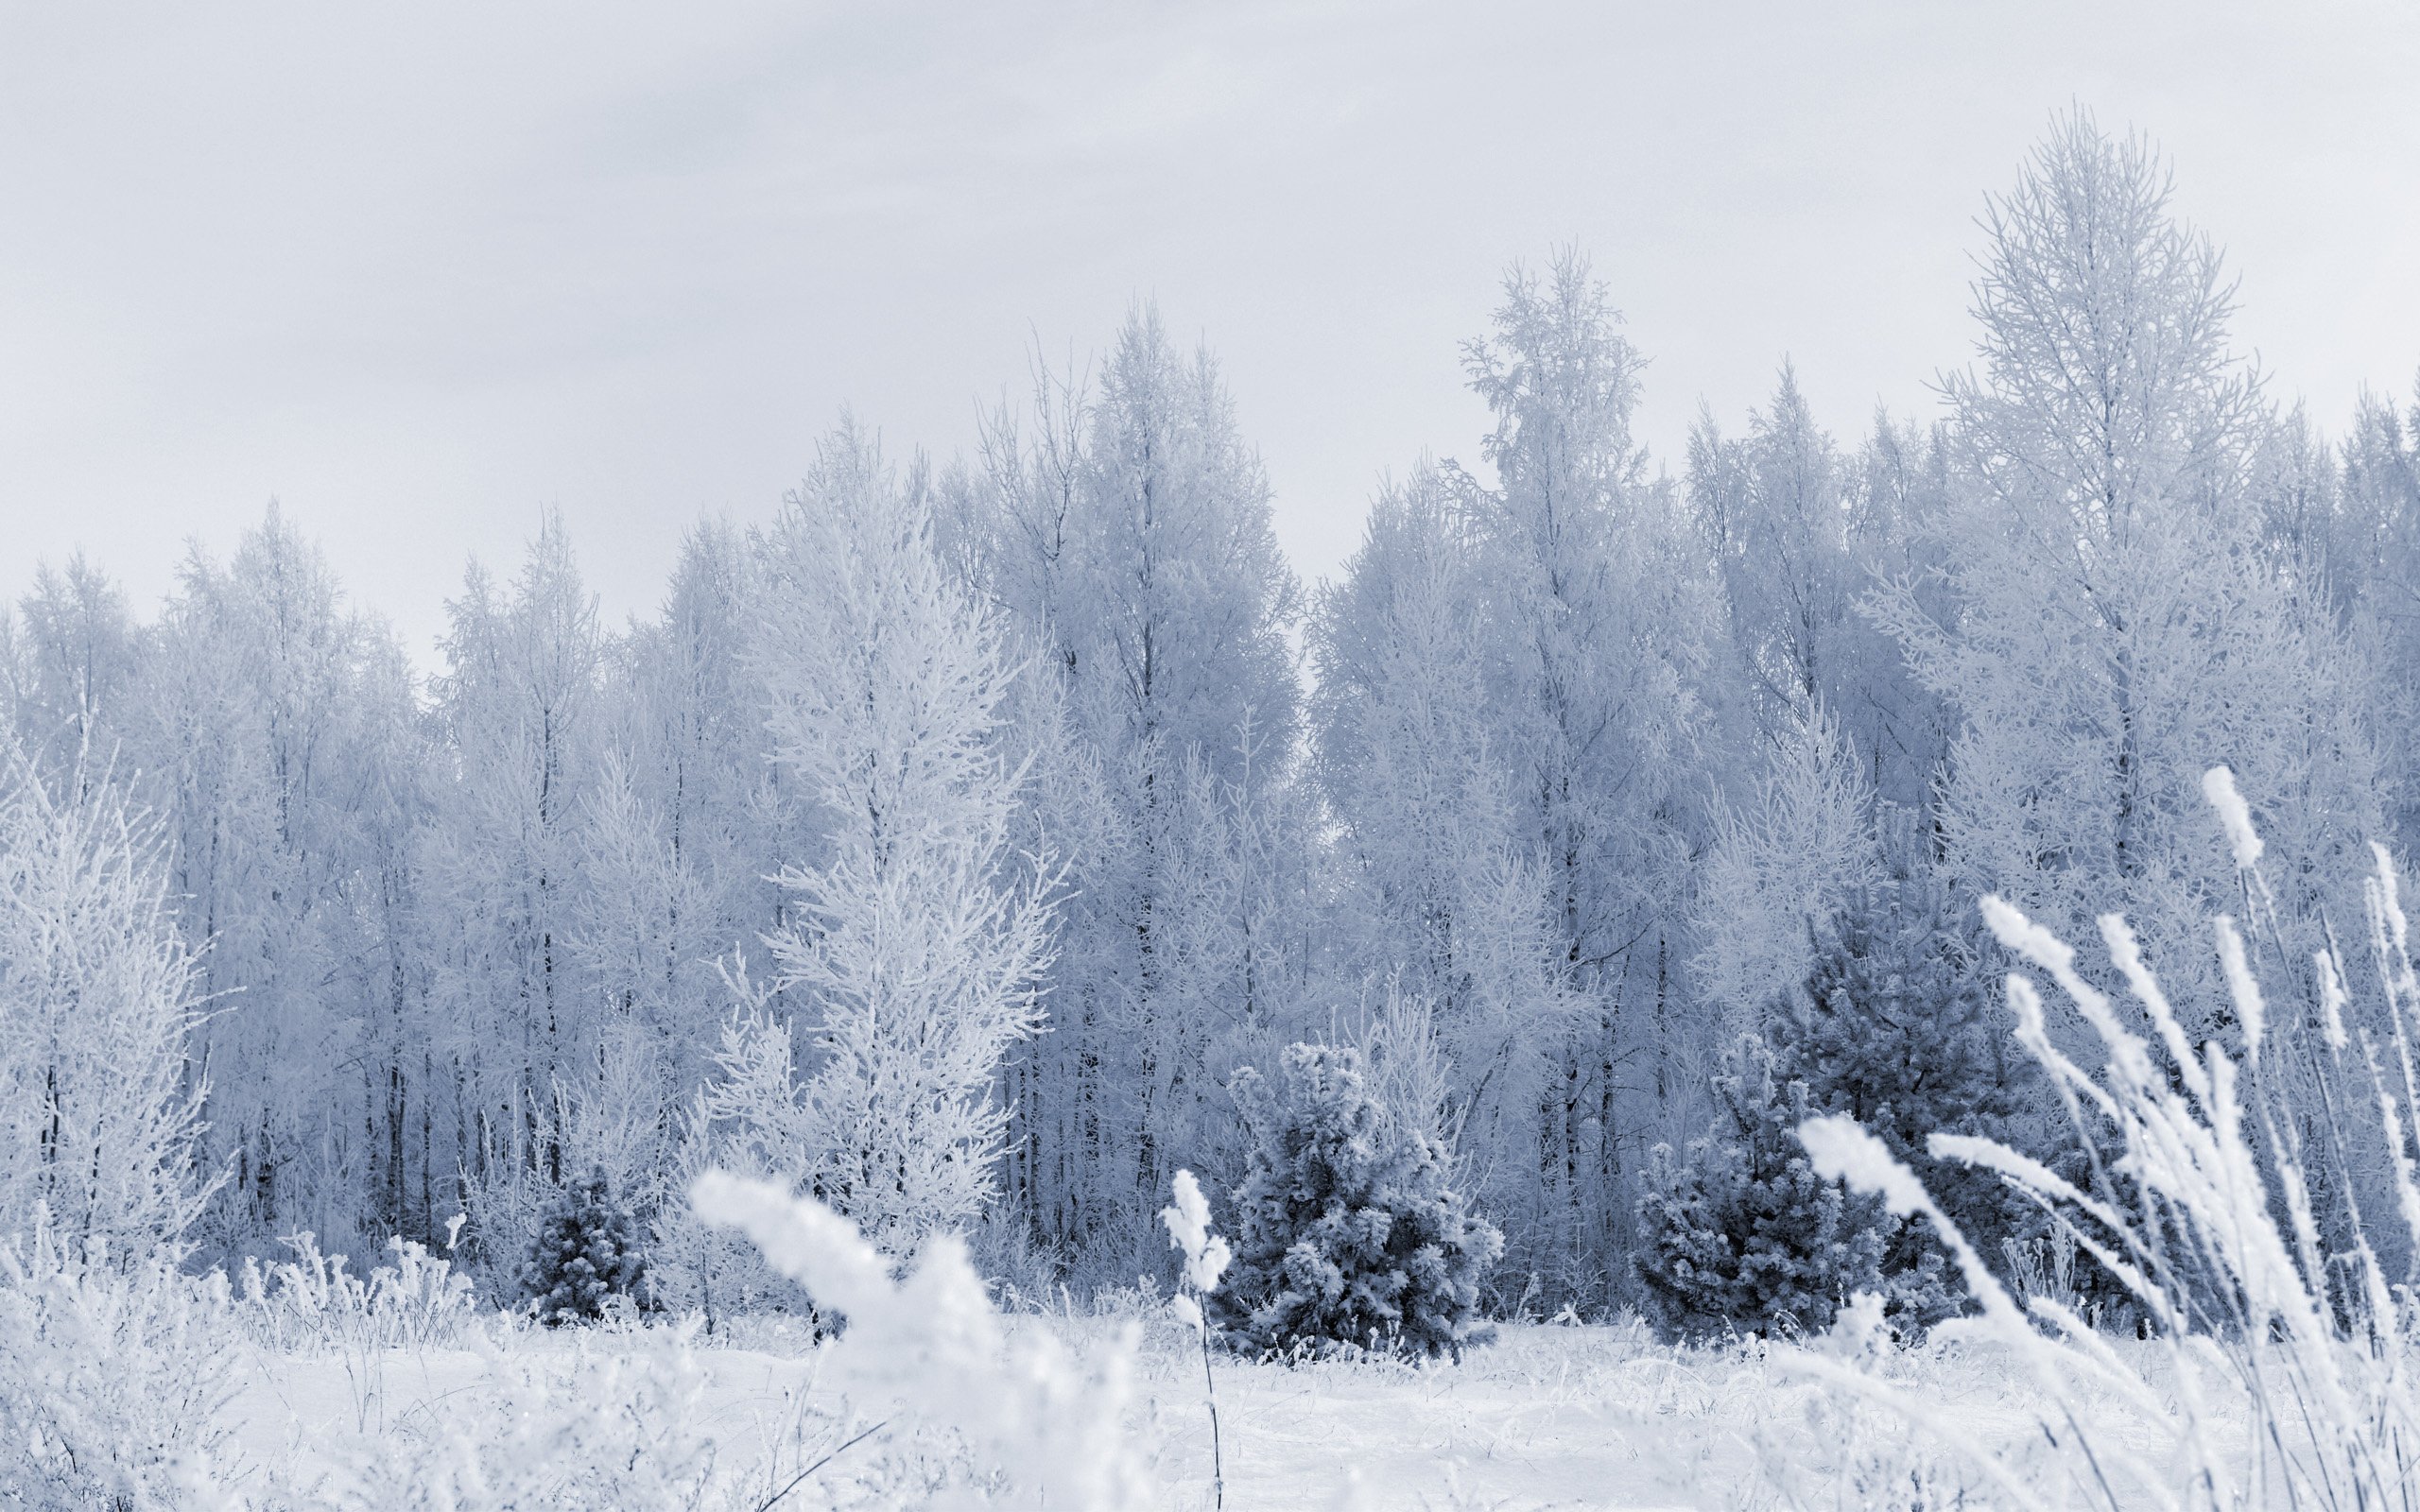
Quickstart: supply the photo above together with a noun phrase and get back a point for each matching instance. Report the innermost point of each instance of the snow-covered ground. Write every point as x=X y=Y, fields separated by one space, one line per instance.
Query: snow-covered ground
x=1550 y=1417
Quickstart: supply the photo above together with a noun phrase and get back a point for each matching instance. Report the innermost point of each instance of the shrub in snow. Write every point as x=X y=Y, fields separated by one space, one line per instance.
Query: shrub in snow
x=1740 y=1233
x=585 y=1253
x=931 y=1345
x=1350 y=1235
x=314 y=1302
x=113 y=1375
x=544 y=1430
x=1889 y=1027
x=313 y=1305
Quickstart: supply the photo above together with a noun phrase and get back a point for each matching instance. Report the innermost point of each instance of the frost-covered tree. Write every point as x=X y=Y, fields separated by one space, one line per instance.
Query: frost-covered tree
x=1124 y=526
x=1600 y=608
x=1349 y=1233
x=516 y=712
x=686 y=718
x=920 y=937
x=643 y=926
x=277 y=729
x=1738 y=1233
x=2358 y=523
x=1444 y=898
x=2114 y=625
x=1513 y=728
x=73 y=662
x=99 y=1105
x=1899 y=725
x=1773 y=508
x=683 y=833
x=1782 y=865
x=1800 y=531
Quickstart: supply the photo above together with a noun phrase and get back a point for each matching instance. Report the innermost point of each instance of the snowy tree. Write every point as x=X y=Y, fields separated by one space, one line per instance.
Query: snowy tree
x=921 y=938
x=643 y=926
x=99 y=1106
x=1348 y=1234
x=1901 y=726
x=516 y=710
x=1891 y=1024
x=1512 y=723
x=1443 y=899
x=1739 y=1233
x=276 y=726
x=1800 y=531
x=1124 y=527
x=2115 y=626
x=586 y=1253
x=2364 y=532
x=1782 y=865
x=1773 y=506
x=1600 y=605
x=686 y=727
x=74 y=664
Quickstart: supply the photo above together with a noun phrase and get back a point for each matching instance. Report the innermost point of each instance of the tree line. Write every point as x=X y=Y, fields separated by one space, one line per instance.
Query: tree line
x=949 y=844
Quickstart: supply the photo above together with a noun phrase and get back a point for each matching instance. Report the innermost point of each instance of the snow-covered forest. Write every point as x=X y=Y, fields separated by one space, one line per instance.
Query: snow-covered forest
x=763 y=1051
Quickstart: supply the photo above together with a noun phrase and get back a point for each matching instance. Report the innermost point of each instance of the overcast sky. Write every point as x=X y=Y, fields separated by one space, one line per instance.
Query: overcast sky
x=419 y=270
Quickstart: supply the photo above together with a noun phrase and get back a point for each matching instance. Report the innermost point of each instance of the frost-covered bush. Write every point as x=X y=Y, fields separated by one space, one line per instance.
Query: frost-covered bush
x=314 y=1302
x=1740 y=1233
x=113 y=1376
x=314 y=1305
x=586 y=1253
x=544 y=1430
x=1350 y=1233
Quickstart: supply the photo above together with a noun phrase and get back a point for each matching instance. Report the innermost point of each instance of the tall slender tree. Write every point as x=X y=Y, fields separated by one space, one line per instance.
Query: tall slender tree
x=922 y=937
x=2115 y=628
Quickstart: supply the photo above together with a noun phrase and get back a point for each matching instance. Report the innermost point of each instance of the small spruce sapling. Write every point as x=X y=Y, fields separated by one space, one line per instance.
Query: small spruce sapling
x=1892 y=1026
x=586 y=1251
x=1741 y=1232
x=1351 y=1236
x=1205 y=1260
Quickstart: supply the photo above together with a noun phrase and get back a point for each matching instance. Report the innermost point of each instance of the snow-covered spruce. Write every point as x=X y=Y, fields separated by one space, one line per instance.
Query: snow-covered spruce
x=1350 y=1236
x=1739 y=1233
x=586 y=1255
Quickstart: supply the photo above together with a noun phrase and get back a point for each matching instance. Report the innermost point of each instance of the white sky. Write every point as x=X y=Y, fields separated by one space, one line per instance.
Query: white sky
x=418 y=271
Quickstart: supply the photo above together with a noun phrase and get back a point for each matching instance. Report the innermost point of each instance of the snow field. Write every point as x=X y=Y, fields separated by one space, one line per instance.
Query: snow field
x=1552 y=1416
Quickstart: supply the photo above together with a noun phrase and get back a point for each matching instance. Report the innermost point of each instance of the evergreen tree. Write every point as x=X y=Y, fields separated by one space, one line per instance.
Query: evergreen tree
x=1351 y=1238
x=1740 y=1233
x=586 y=1250
x=1892 y=1026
